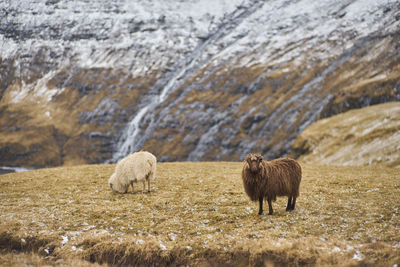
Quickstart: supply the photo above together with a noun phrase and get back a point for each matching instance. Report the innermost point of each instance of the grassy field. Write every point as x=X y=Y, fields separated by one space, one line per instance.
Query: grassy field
x=198 y=214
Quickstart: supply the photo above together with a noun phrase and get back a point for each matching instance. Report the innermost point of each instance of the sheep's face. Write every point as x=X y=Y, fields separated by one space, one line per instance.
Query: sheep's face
x=115 y=185
x=254 y=161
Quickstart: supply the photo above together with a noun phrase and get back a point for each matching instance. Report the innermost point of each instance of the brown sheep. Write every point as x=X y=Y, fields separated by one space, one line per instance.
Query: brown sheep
x=269 y=179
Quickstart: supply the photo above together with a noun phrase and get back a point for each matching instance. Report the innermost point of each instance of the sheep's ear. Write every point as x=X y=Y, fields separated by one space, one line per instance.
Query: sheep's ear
x=247 y=159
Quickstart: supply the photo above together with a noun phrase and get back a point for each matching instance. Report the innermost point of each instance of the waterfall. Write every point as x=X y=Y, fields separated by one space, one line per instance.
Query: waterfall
x=129 y=140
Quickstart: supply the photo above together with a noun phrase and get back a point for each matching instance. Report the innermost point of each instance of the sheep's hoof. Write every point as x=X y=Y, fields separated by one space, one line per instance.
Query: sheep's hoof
x=260 y=213
x=270 y=213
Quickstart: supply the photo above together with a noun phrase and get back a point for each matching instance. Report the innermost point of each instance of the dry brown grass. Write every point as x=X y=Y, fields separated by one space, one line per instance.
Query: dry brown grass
x=198 y=214
x=16 y=259
x=367 y=136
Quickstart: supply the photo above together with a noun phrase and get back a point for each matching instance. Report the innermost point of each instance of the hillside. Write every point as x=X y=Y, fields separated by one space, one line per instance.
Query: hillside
x=91 y=81
x=199 y=215
x=367 y=136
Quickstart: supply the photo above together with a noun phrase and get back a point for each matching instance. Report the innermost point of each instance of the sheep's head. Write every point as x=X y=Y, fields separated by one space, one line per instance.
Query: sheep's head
x=116 y=185
x=254 y=161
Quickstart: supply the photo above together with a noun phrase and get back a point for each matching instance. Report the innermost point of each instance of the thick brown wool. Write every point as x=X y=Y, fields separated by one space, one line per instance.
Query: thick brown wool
x=269 y=179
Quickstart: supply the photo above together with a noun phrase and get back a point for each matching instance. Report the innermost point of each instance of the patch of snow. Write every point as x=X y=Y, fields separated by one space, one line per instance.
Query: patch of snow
x=15 y=169
x=139 y=242
x=172 y=236
x=19 y=94
x=64 y=240
x=163 y=247
x=249 y=210
x=42 y=91
x=358 y=256
x=38 y=88
x=89 y=227
x=372 y=190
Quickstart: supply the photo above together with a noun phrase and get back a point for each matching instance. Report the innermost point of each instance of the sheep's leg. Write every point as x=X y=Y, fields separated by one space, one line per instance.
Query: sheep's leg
x=260 y=211
x=144 y=186
x=293 y=203
x=289 y=203
x=148 y=184
x=133 y=189
x=271 y=210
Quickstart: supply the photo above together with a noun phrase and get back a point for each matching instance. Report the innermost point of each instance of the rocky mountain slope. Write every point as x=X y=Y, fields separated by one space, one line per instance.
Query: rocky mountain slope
x=91 y=81
x=366 y=136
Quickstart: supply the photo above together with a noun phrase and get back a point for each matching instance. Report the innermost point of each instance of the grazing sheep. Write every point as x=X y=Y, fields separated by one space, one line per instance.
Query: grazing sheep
x=269 y=179
x=139 y=166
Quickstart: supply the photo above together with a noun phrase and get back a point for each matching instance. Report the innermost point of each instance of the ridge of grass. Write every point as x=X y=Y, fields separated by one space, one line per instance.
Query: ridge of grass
x=366 y=136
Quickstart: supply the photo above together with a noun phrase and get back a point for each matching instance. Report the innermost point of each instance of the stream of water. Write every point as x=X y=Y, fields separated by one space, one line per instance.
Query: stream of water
x=130 y=140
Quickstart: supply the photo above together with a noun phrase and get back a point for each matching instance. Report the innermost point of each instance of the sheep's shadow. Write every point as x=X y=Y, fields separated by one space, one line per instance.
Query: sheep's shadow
x=132 y=193
x=278 y=213
x=140 y=192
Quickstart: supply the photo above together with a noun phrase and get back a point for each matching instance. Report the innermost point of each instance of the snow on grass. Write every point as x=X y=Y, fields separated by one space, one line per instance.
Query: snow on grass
x=38 y=90
x=64 y=240
x=138 y=34
x=358 y=256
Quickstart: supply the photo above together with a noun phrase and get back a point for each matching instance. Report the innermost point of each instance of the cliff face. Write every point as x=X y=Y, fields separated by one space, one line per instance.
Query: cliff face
x=88 y=82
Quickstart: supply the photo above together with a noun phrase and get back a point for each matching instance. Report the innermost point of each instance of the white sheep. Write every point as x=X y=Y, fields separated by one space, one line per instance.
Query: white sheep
x=139 y=166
